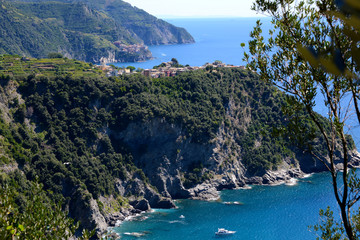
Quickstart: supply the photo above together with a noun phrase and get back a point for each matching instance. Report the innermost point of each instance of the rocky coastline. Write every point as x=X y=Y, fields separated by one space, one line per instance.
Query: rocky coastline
x=163 y=153
x=210 y=191
x=168 y=153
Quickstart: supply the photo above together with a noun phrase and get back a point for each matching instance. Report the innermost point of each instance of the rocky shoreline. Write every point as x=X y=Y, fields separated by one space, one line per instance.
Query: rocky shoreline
x=168 y=154
x=210 y=191
x=167 y=163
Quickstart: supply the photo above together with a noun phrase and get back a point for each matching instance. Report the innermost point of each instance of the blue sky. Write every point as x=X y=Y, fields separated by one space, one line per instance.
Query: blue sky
x=196 y=8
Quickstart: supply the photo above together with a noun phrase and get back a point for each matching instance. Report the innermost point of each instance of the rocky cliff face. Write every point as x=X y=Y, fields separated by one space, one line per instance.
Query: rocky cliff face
x=160 y=33
x=143 y=26
x=153 y=159
x=165 y=154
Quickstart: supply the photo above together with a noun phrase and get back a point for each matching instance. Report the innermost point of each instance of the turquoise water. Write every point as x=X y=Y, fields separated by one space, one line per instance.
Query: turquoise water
x=278 y=212
x=267 y=212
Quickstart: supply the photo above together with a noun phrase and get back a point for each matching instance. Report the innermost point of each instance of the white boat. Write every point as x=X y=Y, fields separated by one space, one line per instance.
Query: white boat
x=223 y=231
x=135 y=234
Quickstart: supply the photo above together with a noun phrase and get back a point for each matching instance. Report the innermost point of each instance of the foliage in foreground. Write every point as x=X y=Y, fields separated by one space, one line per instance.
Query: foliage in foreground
x=26 y=212
x=311 y=50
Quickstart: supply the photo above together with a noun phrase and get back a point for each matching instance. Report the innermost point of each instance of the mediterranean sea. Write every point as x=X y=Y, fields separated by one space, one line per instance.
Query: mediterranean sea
x=264 y=212
x=276 y=212
x=215 y=39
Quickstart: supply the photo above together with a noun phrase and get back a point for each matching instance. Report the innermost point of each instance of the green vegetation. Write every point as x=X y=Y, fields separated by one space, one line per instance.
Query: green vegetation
x=140 y=24
x=84 y=30
x=16 y=66
x=132 y=68
x=24 y=202
x=26 y=212
x=37 y=29
x=76 y=114
x=55 y=55
x=73 y=110
x=173 y=63
x=313 y=49
x=195 y=175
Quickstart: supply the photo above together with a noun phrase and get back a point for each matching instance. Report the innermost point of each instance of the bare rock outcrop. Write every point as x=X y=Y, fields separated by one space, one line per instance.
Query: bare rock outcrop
x=165 y=154
x=86 y=210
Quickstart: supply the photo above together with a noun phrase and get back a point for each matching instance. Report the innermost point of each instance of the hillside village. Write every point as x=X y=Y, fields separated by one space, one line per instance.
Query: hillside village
x=131 y=48
x=165 y=69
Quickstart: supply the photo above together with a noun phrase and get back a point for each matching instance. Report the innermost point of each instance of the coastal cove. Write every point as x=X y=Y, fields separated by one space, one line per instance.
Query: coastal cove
x=279 y=212
x=266 y=212
x=191 y=144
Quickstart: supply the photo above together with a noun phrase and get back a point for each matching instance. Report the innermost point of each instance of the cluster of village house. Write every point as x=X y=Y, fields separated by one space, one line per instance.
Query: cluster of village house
x=167 y=70
x=134 y=48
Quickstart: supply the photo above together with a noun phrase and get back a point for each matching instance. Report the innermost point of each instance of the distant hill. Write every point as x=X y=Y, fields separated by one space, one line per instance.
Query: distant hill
x=91 y=31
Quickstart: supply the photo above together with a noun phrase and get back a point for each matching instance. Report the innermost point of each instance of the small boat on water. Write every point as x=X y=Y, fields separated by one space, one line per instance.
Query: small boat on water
x=135 y=234
x=233 y=203
x=224 y=232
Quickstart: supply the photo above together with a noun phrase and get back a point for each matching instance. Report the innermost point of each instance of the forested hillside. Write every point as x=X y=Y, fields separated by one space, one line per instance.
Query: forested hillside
x=109 y=147
x=83 y=30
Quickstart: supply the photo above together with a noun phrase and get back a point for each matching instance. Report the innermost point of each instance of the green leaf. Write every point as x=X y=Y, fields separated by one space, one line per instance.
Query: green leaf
x=21 y=227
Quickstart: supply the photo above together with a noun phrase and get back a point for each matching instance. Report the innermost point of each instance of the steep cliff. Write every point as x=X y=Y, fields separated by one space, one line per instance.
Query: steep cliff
x=20 y=153
x=113 y=147
x=75 y=30
x=84 y=30
x=151 y=30
x=166 y=156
